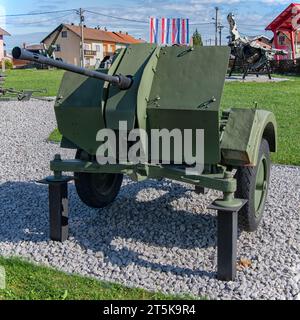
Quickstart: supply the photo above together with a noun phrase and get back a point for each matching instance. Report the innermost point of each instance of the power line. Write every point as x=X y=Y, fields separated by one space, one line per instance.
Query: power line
x=118 y=18
x=35 y=13
x=42 y=21
x=202 y=24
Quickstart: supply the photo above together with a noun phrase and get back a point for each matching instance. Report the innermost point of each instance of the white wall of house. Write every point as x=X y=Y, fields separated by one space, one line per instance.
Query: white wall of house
x=69 y=46
x=1 y=48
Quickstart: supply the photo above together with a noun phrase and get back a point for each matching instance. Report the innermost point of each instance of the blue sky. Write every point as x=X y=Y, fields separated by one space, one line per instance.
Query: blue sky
x=252 y=16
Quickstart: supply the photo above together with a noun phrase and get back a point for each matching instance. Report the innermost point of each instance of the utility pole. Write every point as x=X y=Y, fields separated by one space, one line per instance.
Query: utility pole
x=216 y=25
x=80 y=12
x=220 y=27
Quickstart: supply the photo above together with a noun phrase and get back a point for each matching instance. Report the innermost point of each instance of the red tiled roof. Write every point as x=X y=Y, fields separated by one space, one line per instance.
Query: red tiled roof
x=35 y=47
x=125 y=38
x=3 y=32
x=100 y=35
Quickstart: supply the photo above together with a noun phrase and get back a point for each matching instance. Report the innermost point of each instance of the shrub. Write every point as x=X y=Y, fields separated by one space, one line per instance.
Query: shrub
x=8 y=64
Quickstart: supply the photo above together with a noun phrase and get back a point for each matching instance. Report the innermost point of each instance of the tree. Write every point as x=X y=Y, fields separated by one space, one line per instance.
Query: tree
x=197 y=39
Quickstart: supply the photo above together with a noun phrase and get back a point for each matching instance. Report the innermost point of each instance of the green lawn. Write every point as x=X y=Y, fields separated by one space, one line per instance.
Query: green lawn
x=281 y=98
x=33 y=79
x=26 y=281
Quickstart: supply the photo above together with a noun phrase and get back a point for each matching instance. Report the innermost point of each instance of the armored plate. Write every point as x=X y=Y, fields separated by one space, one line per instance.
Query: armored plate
x=78 y=110
x=122 y=105
x=186 y=93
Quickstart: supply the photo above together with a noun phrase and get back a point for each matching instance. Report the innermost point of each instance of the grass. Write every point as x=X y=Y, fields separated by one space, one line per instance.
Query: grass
x=55 y=136
x=33 y=79
x=283 y=99
x=26 y=281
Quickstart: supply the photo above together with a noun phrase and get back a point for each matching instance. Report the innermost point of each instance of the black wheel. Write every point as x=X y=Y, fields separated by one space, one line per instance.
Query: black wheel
x=253 y=185
x=97 y=190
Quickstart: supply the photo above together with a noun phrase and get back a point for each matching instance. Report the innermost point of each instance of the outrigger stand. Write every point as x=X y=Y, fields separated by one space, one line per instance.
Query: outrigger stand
x=227 y=208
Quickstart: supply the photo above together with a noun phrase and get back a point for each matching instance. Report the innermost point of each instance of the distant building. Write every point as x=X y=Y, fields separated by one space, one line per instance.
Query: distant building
x=97 y=43
x=263 y=41
x=2 y=44
x=285 y=28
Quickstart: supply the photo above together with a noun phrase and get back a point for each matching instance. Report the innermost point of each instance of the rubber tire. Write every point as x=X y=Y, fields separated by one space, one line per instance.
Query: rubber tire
x=86 y=185
x=246 y=184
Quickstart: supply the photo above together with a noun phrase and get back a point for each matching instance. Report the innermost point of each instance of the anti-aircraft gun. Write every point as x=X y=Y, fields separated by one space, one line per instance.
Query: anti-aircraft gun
x=172 y=93
x=253 y=56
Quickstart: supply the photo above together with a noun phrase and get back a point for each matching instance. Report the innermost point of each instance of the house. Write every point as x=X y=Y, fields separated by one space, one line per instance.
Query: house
x=97 y=43
x=262 y=41
x=285 y=29
x=2 y=44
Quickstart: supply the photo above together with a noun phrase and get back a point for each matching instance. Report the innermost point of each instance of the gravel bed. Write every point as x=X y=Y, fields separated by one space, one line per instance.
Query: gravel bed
x=156 y=235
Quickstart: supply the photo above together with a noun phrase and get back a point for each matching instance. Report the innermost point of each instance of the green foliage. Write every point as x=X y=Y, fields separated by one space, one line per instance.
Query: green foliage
x=197 y=39
x=8 y=65
x=26 y=281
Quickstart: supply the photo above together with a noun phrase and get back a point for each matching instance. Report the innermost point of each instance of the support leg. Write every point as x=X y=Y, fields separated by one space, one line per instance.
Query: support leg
x=227 y=245
x=58 y=209
x=269 y=71
x=228 y=209
x=246 y=70
x=233 y=68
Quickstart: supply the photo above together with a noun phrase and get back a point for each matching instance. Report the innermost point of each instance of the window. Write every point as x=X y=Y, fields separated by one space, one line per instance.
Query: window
x=98 y=48
x=282 y=40
x=64 y=34
x=58 y=48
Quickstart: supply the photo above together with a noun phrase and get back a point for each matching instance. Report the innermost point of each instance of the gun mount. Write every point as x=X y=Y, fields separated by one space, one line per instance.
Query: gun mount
x=121 y=81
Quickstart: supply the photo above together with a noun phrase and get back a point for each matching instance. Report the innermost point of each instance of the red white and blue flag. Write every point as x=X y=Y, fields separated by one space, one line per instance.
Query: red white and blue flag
x=154 y=30
x=173 y=31
x=185 y=32
x=165 y=30
x=176 y=31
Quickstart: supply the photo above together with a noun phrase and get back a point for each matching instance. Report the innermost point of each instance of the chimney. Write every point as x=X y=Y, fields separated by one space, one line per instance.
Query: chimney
x=24 y=45
x=72 y=24
x=120 y=31
x=105 y=29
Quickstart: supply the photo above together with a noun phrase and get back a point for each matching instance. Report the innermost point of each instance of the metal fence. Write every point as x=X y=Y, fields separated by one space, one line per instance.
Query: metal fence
x=279 y=67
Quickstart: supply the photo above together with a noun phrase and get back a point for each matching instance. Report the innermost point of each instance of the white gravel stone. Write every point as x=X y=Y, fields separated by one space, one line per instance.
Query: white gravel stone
x=156 y=235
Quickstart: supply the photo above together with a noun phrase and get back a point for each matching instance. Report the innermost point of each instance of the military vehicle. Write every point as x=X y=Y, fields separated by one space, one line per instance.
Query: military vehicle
x=151 y=87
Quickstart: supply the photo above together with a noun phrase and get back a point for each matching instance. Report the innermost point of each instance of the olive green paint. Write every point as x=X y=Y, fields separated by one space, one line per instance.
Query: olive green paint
x=242 y=137
x=173 y=88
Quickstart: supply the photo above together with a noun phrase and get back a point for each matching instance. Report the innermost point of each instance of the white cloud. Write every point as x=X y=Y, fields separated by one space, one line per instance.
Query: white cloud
x=252 y=21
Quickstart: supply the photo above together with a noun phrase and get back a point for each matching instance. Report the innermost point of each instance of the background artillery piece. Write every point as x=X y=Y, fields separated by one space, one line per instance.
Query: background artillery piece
x=8 y=94
x=253 y=57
